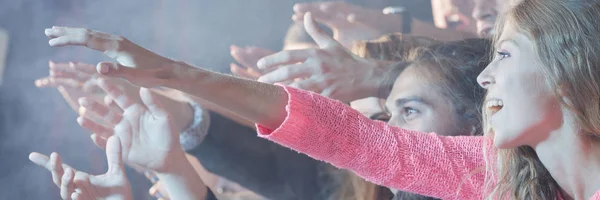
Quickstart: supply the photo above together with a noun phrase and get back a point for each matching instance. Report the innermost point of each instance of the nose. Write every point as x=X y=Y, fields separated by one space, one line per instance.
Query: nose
x=484 y=9
x=485 y=79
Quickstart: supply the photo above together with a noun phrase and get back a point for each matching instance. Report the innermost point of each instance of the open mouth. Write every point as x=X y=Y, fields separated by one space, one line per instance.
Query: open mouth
x=494 y=105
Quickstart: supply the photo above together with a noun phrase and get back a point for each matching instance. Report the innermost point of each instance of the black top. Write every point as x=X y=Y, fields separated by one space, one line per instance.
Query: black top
x=234 y=152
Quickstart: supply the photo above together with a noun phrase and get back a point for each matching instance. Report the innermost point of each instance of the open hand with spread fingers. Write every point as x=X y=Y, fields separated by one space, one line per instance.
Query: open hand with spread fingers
x=145 y=128
x=331 y=70
x=73 y=80
x=77 y=185
x=349 y=22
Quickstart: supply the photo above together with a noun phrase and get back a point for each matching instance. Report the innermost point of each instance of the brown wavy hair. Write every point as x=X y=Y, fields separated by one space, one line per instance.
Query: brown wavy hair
x=564 y=34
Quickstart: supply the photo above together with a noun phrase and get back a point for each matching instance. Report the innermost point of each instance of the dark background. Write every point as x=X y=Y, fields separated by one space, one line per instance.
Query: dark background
x=31 y=119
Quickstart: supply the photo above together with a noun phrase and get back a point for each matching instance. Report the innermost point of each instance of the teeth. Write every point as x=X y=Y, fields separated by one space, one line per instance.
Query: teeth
x=494 y=103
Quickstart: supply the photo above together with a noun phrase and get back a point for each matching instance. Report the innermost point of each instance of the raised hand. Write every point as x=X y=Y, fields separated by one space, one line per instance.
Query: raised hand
x=147 y=133
x=124 y=51
x=77 y=185
x=73 y=81
x=350 y=22
x=330 y=70
x=128 y=54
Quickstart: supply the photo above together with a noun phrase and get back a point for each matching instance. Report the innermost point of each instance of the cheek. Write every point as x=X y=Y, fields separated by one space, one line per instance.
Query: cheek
x=437 y=122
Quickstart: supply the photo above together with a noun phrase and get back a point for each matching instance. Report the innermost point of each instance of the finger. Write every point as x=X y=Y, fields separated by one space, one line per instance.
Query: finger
x=81 y=70
x=153 y=103
x=241 y=55
x=323 y=10
x=55 y=82
x=285 y=57
x=158 y=191
x=43 y=161
x=258 y=52
x=94 y=127
x=99 y=141
x=308 y=85
x=63 y=36
x=56 y=168
x=248 y=57
x=113 y=156
x=91 y=86
x=318 y=35
x=288 y=72
x=120 y=97
x=82 y=185
x=151 y=176
x=91 y=109
x=67 y=186
x=108 y=101
x=245 y=73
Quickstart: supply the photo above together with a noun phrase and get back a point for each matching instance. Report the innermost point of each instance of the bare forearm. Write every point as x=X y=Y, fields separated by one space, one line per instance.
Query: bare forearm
x=258 y=102
x=222 y=111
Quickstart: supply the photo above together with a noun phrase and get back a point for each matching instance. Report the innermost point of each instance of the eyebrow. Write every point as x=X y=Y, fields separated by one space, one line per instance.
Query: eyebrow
x=402 y=101
x=508 y=41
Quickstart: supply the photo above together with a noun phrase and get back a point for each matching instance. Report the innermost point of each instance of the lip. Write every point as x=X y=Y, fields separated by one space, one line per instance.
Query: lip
x=493 y=100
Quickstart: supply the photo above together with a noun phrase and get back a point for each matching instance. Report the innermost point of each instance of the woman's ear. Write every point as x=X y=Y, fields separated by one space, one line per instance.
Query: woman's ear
x=563 y=95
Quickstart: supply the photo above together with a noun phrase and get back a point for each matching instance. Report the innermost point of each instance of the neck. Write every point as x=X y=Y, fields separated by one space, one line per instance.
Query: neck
x=572 y=159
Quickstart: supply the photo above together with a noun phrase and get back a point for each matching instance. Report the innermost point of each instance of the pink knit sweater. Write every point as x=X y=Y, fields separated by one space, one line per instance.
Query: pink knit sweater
x=330 y=131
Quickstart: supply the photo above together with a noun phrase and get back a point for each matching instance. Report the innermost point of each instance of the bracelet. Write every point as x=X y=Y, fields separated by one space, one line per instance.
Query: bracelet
x=195 y=134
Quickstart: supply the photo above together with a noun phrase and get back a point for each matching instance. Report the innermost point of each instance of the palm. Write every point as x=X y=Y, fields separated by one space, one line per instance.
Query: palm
x=147 y=140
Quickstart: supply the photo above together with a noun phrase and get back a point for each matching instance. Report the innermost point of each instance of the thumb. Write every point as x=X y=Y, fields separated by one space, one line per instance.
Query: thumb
x=320 y=36
x=115 y=70
x=152 y=102
x=114 y=156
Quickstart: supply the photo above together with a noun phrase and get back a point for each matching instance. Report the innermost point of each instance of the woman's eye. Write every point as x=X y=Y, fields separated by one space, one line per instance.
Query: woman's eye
x=409 y=113
x=502 y=54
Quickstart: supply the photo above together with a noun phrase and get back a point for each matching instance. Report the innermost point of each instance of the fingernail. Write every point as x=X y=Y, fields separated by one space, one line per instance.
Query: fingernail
x=80 y=120
x=83 y=102
x=81 y=112
x=48 y=31
x=104 y=68
x=38 y=83
x=261 y=63
x=261 y=79
x=52 y=42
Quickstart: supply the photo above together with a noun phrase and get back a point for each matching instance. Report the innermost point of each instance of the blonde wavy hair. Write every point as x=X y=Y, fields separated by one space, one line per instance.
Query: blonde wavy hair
x=564 y=34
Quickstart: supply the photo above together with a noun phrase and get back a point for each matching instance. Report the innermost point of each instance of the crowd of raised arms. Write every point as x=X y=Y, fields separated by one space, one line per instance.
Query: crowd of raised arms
x=496 y=99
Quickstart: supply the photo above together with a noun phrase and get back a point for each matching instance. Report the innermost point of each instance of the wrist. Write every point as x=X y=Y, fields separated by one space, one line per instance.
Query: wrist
x=174 y=163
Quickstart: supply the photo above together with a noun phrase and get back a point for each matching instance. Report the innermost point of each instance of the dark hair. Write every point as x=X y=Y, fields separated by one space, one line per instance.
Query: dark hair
x=392 y=47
